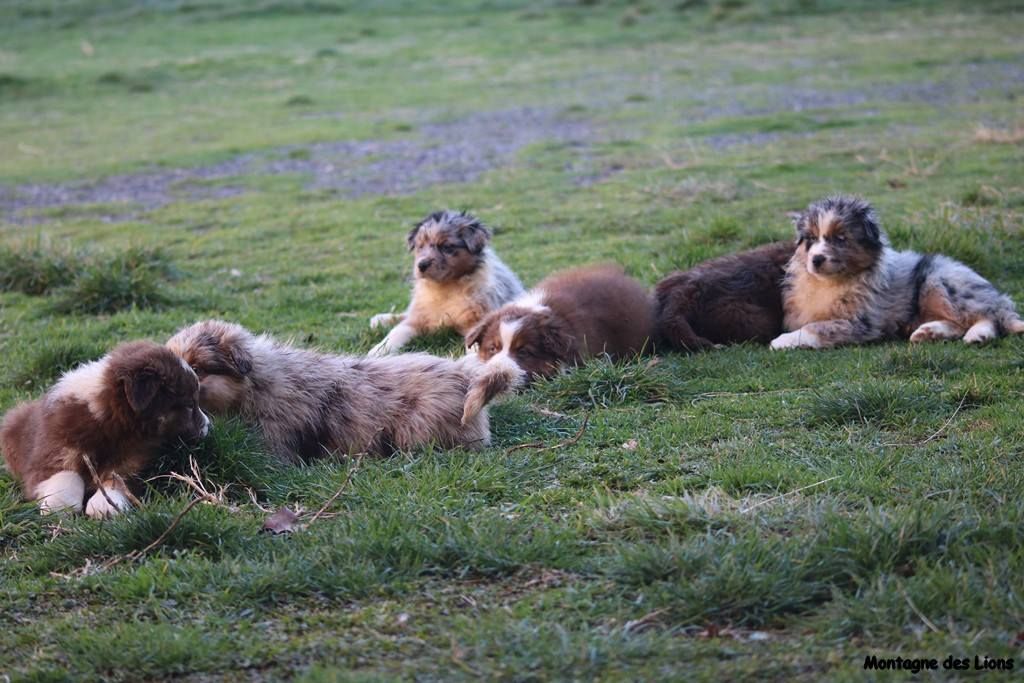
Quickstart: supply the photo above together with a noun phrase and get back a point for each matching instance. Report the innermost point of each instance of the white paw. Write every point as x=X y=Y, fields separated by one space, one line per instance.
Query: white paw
x=936 y=330
x=380 y=350
x=99 y=507
x=797 y=339
x=382 y=320
x=981 y=332
x=62 y=491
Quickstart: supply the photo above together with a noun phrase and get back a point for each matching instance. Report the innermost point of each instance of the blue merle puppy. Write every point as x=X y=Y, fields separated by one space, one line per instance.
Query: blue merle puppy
x=846 y=285
x=458 y=279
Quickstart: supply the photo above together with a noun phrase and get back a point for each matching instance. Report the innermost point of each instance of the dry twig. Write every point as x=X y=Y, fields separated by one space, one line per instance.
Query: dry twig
x=341 y=489
x=788 y=493
x=562 y=444
x=138 y=554
x=96 y=479
x=926 y=620
x=938 y=432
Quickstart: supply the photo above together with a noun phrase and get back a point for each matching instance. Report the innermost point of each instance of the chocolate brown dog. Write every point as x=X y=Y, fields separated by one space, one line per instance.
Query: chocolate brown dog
x=726 y=300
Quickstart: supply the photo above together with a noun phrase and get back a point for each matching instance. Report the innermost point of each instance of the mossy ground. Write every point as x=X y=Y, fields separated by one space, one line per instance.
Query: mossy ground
x=659 y=545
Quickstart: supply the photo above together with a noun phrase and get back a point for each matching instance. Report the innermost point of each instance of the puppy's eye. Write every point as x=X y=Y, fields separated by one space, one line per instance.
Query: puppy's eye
x=448 y=249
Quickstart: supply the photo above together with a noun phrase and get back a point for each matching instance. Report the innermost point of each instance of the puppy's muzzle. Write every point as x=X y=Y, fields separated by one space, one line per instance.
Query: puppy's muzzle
x=425 y=264
x=818 y=261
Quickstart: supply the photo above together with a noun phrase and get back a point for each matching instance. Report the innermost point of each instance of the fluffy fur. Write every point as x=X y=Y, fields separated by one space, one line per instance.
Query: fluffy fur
x=846 y=285
x=726 y=300
x=117 y=411
x=309 y=404
x=458 y=280
x=568 y=317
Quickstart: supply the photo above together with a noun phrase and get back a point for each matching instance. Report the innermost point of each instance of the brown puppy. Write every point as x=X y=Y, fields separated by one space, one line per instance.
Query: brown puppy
x=309 y=405
x=116 y=411
x=568 y=317
x=458 y=280
x=726 y=300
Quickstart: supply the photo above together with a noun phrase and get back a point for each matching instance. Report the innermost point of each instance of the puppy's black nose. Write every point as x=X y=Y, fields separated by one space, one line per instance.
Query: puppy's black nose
x=818 y=260
x=424 y=264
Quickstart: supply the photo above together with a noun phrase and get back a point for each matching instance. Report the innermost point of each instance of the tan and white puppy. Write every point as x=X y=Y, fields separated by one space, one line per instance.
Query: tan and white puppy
x=116 y=411
x=458 y=279
x=846 y=285
x=310 y=405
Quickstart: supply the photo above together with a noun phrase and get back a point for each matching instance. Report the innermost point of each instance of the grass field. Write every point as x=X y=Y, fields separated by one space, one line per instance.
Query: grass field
x=735 y=515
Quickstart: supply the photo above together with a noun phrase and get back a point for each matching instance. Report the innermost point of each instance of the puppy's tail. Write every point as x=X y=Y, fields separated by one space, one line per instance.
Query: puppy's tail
x=16 y=433
x=498 y=376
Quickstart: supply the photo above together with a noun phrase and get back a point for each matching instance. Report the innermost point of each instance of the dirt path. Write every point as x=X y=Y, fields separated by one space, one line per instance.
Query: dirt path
x=456 y=151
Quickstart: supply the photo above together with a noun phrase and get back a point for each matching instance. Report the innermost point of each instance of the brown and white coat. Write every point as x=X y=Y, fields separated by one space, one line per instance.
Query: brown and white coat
x=114 y=412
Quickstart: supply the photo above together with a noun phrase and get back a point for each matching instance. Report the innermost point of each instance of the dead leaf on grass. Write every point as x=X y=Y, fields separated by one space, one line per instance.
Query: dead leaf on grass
x=284 y=521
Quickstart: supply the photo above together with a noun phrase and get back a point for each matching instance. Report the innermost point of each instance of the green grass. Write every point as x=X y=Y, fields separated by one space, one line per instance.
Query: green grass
x=90 y=283
x=736 y=515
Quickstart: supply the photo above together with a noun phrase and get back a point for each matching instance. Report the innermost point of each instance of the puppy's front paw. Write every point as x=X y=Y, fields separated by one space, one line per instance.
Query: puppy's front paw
x=936 y=330
x=797 y=339
x=99 y=507
x=981 y=332
x=380 y=350
x=382 y=320
x=62 y=491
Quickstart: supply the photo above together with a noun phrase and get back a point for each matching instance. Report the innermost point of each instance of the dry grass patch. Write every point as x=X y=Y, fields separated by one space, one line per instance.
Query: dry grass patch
x=1000 y=136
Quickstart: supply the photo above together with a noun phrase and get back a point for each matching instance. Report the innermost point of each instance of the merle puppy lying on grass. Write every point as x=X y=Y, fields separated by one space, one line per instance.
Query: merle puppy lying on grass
x=846 y=285
x=114 y=412
x=310 y=405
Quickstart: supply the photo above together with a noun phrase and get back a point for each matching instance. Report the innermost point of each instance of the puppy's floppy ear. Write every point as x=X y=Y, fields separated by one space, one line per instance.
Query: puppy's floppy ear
x=555 y=337
x=240 y=360
x=475 y=234
x=797 y=218
x=141 y=387
x=872 y=231
x=474 y=336
x=410 y=239
x=226 y=354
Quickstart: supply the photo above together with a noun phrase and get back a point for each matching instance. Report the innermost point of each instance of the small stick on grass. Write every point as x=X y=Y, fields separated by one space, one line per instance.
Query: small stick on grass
x=127 y=491
x=783 y=495
x=937 y=432
x=167 y=532
x=195 y=482
x=919 y=613
x=138 y=554
x=562 y=444
x=337 y=493
x=96 y=478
